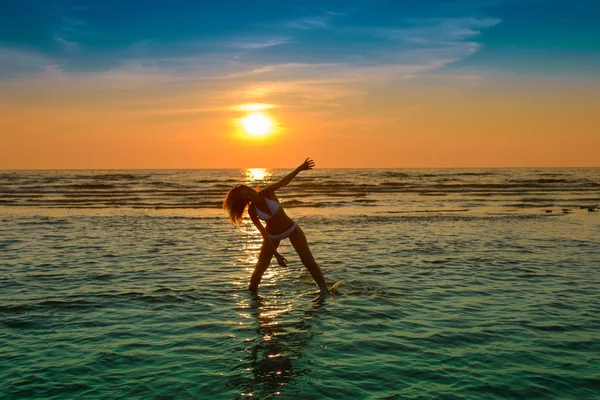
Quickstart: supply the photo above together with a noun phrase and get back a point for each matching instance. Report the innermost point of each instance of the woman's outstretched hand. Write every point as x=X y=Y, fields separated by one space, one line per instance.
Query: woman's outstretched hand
x=307 y=164
x=281 y=260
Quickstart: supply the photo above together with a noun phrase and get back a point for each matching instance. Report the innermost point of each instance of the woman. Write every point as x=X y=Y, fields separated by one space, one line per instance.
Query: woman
x=264 y=205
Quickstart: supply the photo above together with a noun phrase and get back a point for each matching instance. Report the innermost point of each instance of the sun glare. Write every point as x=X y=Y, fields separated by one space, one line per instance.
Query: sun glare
x=252 y=107
x=257 y=124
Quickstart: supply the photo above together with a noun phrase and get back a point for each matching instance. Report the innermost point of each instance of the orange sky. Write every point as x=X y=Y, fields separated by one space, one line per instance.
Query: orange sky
x=140 y=118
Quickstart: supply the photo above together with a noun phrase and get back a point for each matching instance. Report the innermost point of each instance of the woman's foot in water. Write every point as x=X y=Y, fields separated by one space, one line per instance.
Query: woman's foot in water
x=324 y=291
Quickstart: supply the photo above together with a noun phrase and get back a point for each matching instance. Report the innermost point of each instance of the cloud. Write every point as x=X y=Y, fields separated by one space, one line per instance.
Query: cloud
x=200 y=79
x=314 y=22
x=438 y=30
x=18 y=62
x=386 y=55
x=67 y=45
x=69 y=32
x=257 y=43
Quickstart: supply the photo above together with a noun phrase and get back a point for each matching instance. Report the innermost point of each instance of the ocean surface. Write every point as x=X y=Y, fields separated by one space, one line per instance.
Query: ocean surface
x=455 y=284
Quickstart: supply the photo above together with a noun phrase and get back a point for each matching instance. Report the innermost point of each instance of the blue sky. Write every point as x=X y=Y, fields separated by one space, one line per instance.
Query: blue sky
x=516 y=36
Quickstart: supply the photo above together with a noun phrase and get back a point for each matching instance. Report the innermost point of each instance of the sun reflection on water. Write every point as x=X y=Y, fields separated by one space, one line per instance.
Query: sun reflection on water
x=249 y=252
x=251 y=239
x=257 y=174
x=277 y=341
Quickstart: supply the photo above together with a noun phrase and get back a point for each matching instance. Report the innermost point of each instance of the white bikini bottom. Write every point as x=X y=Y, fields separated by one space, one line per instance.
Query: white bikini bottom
x=285 y=234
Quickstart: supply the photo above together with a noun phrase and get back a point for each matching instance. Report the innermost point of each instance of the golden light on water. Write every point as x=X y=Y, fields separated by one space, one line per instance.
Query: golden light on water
x=257 y=124
x=257 y=174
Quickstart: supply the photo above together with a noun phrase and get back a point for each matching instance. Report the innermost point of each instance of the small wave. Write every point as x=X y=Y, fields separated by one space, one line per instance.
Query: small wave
x=228 y=182
x=84 y=186
x=394 y=174
x=164 y=289
x=66 y=304
x=114 y=177
x=111 y=358
x=329 y=186
x=539 y=181
x=293 y=203
x=546 y=328
x=550 y=174
x=337 y=194
x=483 y=173
x=131 y=294
x=364 y=288
x=160 y=296
x=165 y=184
x=537 y=200
x=164 y=299
x=388 y=183
x=529 y=205
x=298 y=203
x=15 y=309
x=452 y=339
x=101 y=277
x=6 y=243
x=10 y=176
x=44 y=221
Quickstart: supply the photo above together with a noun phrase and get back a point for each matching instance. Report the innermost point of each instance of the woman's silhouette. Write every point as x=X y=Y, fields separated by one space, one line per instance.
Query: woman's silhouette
x=263 y=204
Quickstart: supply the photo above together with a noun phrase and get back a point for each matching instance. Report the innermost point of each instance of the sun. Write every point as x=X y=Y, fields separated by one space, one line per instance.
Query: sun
x=257 y=124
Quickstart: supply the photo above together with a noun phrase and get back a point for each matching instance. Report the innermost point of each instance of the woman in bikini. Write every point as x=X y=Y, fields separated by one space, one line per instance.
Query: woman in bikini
x=264 y=205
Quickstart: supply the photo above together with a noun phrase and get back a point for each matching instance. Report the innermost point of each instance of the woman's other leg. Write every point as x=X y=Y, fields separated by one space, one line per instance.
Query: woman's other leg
x=299 y=242
x=264 y=259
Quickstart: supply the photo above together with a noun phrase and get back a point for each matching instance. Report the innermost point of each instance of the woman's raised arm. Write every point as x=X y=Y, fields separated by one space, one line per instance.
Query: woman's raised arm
x=308 y=164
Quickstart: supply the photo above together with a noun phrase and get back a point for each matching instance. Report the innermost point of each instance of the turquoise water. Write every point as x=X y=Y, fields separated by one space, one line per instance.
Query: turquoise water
x=477 y=284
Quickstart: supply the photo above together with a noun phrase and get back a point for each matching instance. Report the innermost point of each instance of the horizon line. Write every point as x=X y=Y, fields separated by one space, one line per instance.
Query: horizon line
x=241 y=168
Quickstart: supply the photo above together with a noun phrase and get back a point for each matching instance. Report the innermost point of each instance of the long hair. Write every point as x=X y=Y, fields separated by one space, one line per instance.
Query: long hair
x=235 y=205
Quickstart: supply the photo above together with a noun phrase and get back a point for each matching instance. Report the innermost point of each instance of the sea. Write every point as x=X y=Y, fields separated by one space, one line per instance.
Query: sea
x=451 y=284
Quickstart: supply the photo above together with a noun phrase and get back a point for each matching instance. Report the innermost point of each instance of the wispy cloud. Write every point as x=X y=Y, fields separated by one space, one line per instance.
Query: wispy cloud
x=387 y=55
x=195 y=80
x=70 y=31
x=258 y=43
x=67 y=45
x=437 y=30
x=313 y=22
x=18 y=62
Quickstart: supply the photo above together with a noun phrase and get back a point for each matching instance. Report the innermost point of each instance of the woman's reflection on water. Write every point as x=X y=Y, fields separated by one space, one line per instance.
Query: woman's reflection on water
x=282 y=334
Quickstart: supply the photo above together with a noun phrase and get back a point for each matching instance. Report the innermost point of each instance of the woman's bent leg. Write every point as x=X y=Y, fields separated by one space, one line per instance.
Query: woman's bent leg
x=299 y=242
x=264 y=259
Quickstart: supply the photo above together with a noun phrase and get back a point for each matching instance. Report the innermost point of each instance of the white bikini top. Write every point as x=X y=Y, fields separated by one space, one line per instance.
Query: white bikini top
x=273 y=207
